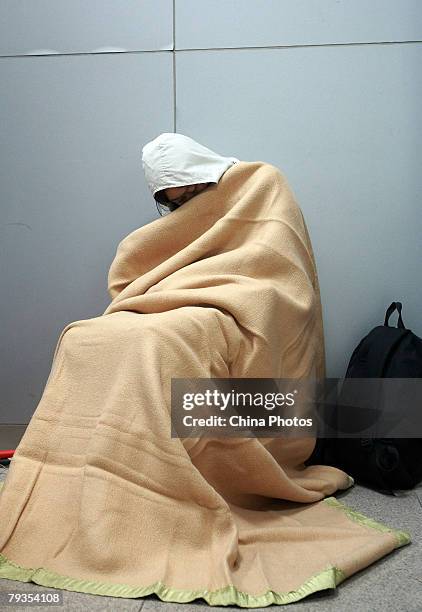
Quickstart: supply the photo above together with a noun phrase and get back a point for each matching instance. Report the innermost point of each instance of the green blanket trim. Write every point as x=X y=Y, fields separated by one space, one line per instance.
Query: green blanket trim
x=402 y=537
x=229 y=595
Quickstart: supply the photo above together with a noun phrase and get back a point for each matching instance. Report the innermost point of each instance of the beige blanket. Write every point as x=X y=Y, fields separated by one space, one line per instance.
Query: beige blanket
x=100 y=499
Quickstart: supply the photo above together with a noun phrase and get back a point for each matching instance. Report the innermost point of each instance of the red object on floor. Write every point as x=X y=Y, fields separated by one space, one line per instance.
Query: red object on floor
x=5 y=454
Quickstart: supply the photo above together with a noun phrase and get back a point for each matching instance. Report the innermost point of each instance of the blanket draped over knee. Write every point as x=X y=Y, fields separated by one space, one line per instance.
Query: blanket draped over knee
x=100 y=499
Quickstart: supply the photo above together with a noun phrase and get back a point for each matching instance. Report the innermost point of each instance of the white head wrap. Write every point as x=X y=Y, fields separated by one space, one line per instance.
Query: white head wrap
x=175 y=160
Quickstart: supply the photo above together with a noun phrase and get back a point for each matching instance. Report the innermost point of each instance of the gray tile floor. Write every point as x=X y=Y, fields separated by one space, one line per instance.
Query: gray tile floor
x=394 y=583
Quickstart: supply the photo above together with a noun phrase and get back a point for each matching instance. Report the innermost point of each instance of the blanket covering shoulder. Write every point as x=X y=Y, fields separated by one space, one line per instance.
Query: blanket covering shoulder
x=242 y=247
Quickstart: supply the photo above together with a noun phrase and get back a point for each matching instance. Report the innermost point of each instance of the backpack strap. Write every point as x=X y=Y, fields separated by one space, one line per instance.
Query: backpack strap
x=393 y=306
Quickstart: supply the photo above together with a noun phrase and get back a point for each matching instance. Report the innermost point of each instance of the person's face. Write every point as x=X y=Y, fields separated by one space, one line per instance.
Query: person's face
x=179 y=195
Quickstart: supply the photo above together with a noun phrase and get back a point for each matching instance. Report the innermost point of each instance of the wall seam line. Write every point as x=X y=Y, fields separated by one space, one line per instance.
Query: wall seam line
x=187 y=49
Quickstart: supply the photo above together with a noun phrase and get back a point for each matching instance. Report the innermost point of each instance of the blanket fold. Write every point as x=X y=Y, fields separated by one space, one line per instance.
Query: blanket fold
x=100 y=499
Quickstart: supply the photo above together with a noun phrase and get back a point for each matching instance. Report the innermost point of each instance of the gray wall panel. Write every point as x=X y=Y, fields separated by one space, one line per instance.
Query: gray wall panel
x=252 y=23
x=343 y=124
x=72 y=187
x=63 y=26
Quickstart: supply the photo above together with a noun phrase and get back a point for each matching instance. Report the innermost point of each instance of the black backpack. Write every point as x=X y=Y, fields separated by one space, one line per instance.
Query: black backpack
x=383 y=464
